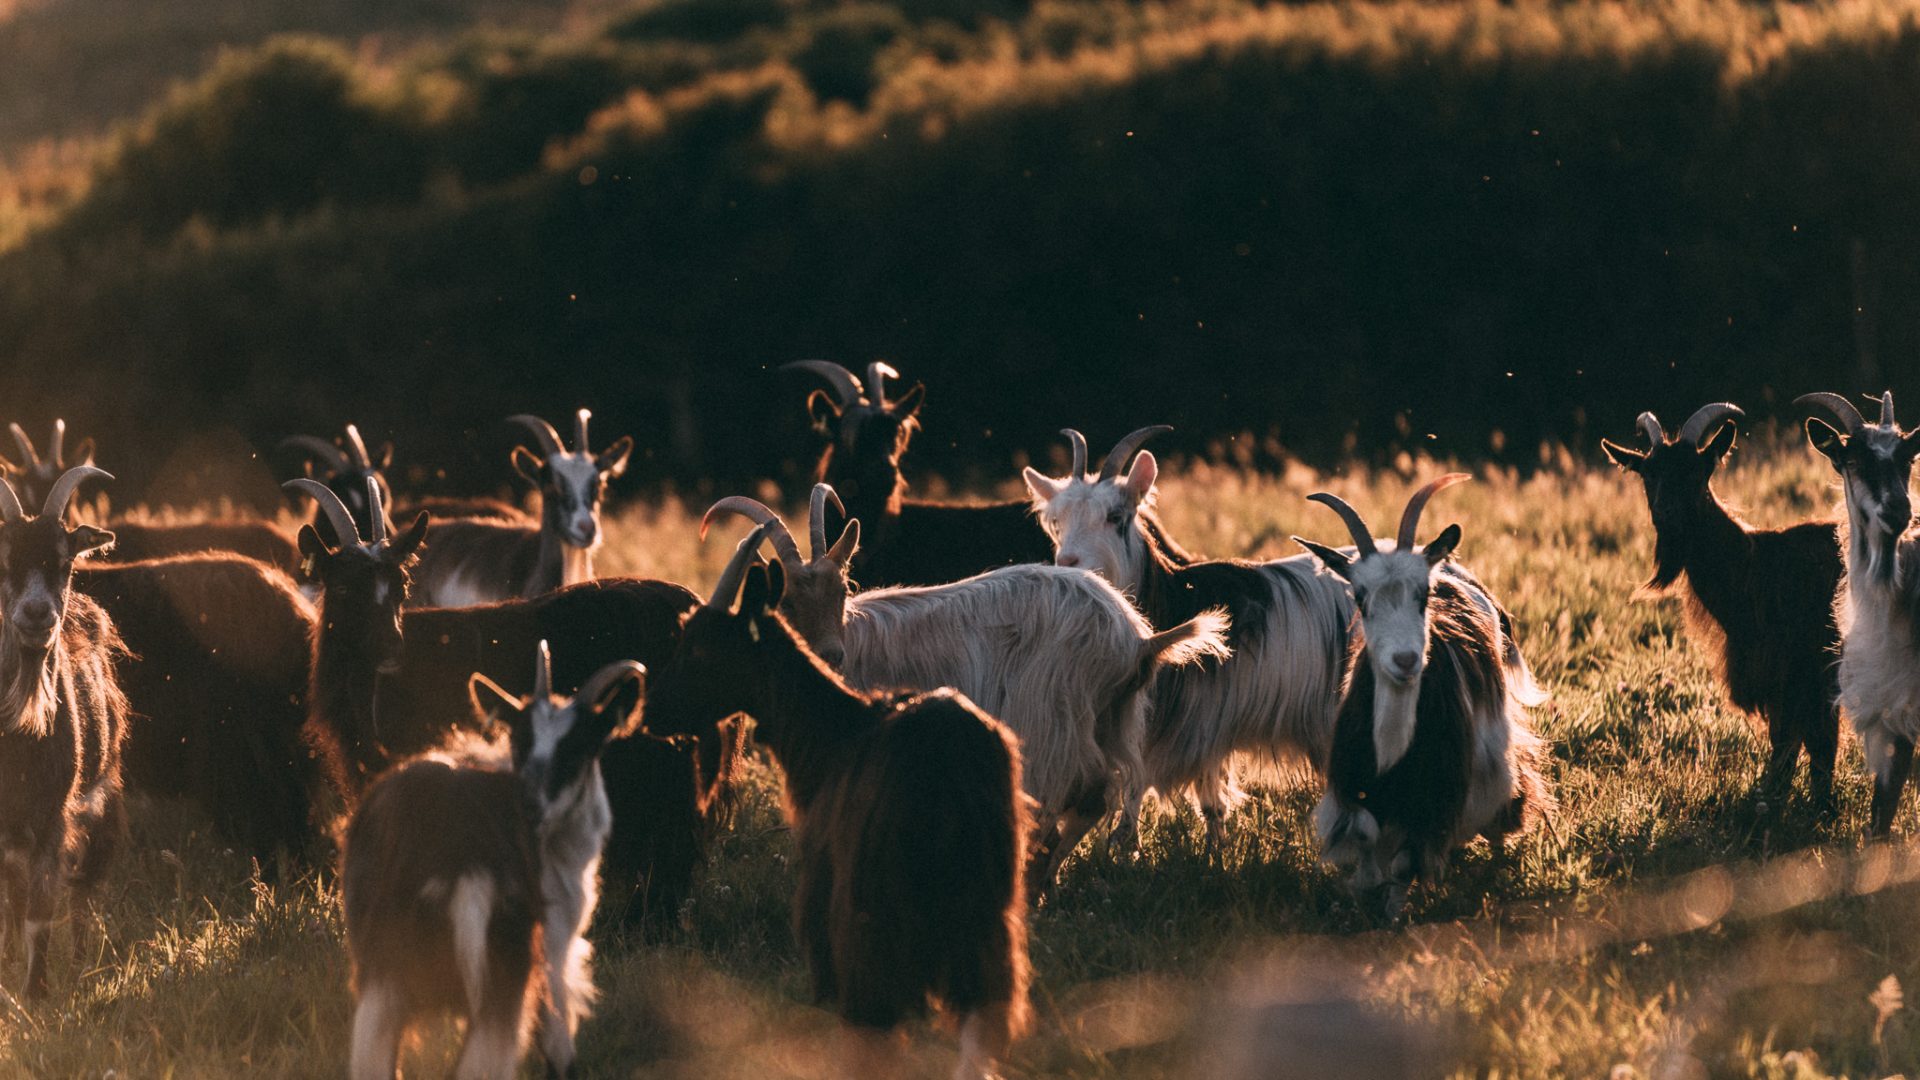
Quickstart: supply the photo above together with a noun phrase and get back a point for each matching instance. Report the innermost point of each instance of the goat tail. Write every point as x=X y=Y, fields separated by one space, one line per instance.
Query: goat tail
x=1201 y=637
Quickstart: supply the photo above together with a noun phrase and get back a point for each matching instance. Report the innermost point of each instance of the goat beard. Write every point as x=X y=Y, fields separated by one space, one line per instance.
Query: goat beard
x=1669 y=562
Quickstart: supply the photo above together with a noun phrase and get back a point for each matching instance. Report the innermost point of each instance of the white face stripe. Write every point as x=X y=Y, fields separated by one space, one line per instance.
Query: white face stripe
x=577 y=478
x=1394 y=616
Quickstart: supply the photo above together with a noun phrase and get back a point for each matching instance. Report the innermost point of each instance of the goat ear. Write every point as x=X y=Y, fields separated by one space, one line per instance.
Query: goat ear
x=1722 y=441
x=1331 y=558
x=87 y=539
x=613 y=460
x=620 y=711
x=823 y=412
x=528 y=465
x=1140 y=478
x=1910 y=445
x=842 y=550
x=312 y=549
x=408 y=542
x=753 y=591
x=908 y=404
x=83 y=453
x=490 y=702
x=1442 y=546
x=385 y=458
x=776 y=583
x=1042 y=487
x=1625 y=457
x=1826 y=440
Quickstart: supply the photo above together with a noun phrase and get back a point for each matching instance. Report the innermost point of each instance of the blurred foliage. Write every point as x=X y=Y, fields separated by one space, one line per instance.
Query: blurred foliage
x=1461 y=227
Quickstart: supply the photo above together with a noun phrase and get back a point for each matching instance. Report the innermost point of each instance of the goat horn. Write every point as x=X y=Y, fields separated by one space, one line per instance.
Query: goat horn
x=1886 y=410
x=580 y=419
x=878 y=373
x=357 y=448
x=55 y=507
x=56 y=451
x=319 y=449
x=549 y=439
x=1650 y=426
x=330 y=505
x=727 y=589
x=1079 y=444
x=1410 y=520
x=376 y=511
x=542 y=672
x=817 y=517
x=608 y=677
x=1357 y=526
x=28 y=457
x=1708 y=419
x=845 y=386
x=1840 y=407
x=756 y=511
x=10 y=510
x=1123 y=451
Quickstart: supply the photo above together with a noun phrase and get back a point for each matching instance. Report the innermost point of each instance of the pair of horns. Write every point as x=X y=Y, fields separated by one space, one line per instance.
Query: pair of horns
x=1117 y=458
x=1409 y=520
x=549 y=439
x=776 y=529
x=596 y=685
x=1707 y=419
x=55 y=508
x=846 y=387
x=1844 y=411
x=337 y=513
x=56 y=449
x=353 y=456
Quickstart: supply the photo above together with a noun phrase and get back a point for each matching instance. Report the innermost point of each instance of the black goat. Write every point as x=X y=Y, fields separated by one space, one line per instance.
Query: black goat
x=1762 y=599
x=62 y=721
x=907 y=813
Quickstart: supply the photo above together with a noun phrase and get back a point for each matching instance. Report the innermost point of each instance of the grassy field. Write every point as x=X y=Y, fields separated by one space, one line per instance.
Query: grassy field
x=1663 y=926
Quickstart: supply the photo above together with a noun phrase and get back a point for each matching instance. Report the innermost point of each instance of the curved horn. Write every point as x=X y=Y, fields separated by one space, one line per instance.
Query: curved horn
x=10 y=509
x=543 y=431
x=1123 y=451
x=878 y=373
x=760 y=513
x=1707 y=419
x=580 y=419
x=1079 y=444
x=607 y=677
x=542 y=671
x=728 y=587
x=330 y=505
x=1650 y=426
x=357 y=449
x=28 y=456
x=1357 y=526
x=56 y=450
x=1410 y=520
x=817 y=518
x=1840 y=407
x=376 y=512
x=1886 y=410
x=845 y=386
x=61 y=494
x=319 y=449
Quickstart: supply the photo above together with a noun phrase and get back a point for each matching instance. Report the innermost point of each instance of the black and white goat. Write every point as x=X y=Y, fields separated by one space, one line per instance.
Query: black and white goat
x=32 y=476
x=908 y=541
x=1433 y=746
x=346 y=468
x=1056 y=654
x=1762 y=598
x=388 y=679
x=1878 y=606
x=469 y=889
x=482 y=560
x=62 y=721
x=906 y=810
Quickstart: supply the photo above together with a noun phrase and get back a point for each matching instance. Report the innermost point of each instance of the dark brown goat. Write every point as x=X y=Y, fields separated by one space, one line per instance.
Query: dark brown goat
x=63 y=721
x=346 y=468
x=907 y=813
x=1761 y=598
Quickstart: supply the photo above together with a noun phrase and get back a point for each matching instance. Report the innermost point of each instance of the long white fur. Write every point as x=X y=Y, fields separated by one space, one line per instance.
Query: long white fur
x=1879 y=646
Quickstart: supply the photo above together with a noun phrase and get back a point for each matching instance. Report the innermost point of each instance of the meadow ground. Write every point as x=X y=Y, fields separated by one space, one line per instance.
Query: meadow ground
x=1662 y=927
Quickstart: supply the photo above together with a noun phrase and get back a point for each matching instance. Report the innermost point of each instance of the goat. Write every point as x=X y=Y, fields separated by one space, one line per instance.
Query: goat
x=478 y=561
x=469 y=889
x=346 y=468
x=386 y=678
x=1763 y=598
x=218 y=673
x=1432 y=746
x=908 y=541
x=906 y=809
x=33 y=476
x=1878 y=609
x=1058 y=655
x=63 y=720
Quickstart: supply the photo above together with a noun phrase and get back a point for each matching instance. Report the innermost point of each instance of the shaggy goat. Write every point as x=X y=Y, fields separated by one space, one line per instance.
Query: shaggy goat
x=346 y=468
x=906 y=810
x=910 y=542
x=1433 y=746
x=1762 y=597
x=1878 y=609
x=469 y=889
x=387 y=678
x=62 y=721
x=1058 y=655
x=481 y=560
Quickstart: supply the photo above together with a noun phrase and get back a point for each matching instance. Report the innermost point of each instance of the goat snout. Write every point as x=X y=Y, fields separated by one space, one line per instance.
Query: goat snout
x=1406 y=663
x=1066 y=559
x=35 y=619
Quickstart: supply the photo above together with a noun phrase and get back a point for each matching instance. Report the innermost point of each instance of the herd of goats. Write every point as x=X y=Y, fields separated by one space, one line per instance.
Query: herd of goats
x=505 y=735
